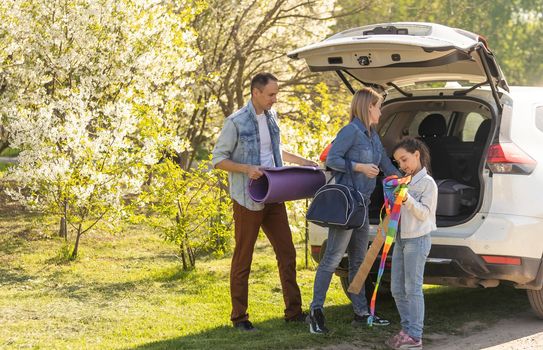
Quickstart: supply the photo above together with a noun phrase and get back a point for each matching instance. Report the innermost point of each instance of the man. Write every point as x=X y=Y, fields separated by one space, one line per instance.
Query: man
x=249 y=140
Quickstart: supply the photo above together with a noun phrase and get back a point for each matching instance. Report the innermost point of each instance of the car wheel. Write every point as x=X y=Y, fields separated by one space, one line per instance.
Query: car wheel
x=345 y=285
x=369 y=285
x=536 y=301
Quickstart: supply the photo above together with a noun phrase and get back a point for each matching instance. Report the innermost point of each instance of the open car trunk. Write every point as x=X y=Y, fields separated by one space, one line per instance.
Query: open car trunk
x=457 y=132
x=456 y=126
x=404 y=53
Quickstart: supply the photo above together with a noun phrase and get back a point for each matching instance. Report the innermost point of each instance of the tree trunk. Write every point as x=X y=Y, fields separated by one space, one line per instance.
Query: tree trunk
x=63 y=229
x=183 y=257
x=3 y=146
x=182 y=247
x=76 y=246
x=4 y=143
x=192 y=257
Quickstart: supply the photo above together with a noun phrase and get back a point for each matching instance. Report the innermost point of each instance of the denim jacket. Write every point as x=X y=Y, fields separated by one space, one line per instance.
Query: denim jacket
x=355 y=143
x=418 y=213
x=239 y=141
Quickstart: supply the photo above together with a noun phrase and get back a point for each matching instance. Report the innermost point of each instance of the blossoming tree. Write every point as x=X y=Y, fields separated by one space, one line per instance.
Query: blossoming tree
x=89 y=89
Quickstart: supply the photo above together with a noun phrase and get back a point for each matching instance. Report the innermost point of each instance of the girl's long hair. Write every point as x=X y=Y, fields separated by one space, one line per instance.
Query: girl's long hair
x=360 y=105
x=411 y=144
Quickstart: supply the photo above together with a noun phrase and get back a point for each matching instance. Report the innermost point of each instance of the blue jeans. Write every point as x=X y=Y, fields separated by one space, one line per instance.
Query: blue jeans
x=355 y=243
x=408 y=260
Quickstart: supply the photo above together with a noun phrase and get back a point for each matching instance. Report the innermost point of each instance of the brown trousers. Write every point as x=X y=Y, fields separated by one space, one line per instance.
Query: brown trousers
x=274 y=222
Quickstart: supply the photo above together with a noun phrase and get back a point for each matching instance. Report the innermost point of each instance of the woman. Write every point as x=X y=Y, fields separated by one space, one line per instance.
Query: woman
x=358 y=146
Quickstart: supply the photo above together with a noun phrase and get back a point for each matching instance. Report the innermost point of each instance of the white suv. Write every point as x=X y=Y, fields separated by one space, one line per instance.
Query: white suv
x=444 y=86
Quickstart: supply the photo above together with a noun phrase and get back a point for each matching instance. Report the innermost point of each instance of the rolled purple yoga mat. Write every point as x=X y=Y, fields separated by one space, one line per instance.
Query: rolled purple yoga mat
x=286 y=184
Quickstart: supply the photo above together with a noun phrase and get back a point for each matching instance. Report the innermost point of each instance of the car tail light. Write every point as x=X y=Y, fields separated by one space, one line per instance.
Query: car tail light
x=508 y=158
x=501 y=260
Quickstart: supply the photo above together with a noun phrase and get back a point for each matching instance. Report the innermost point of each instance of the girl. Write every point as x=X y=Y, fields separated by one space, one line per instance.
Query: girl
x=357 y=145
x=418 y=219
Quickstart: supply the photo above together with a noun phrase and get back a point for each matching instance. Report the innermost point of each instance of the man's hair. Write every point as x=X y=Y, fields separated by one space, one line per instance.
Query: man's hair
x=260 y=80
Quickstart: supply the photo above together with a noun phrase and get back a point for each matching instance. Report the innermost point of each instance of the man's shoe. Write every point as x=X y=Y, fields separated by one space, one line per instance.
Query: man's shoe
x=316 y=322
x=245 y=326
x=301 y=317
x=363 y=320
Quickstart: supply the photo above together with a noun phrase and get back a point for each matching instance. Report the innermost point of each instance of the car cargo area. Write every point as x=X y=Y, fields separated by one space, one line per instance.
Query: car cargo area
x=457 y=132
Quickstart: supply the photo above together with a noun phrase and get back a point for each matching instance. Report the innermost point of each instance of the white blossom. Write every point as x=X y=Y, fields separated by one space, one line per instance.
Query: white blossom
x=90 y=85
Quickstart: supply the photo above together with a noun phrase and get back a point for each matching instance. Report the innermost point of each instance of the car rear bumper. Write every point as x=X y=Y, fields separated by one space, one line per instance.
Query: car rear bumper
x=460 y=266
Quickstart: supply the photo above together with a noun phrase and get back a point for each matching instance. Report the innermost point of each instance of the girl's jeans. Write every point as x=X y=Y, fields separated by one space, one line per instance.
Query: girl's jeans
x=355 y=243
x=408 y=260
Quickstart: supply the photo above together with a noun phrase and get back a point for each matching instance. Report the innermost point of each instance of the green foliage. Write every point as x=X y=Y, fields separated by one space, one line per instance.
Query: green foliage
x=316 y=116
x=10 y=152
x=238 y=39
x=4 y=167
x=64 y=254
x=191 y=208
x=513 y=28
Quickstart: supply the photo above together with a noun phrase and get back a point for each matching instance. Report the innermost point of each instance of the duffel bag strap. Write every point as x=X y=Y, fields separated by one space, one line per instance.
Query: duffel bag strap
x=349 y=168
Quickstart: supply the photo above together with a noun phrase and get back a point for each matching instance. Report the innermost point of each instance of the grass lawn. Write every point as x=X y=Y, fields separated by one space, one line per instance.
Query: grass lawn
x=9 y=152
x=128 y=292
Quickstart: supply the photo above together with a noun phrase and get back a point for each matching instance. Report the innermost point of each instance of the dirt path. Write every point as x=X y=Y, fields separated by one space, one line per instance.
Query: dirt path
x=522 y=332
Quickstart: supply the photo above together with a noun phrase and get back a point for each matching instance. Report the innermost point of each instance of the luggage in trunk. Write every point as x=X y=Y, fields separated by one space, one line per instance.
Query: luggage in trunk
x=454 y=197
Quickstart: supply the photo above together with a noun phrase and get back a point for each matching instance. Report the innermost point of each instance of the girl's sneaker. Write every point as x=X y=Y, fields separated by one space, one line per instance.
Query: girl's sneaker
x=393 y=341
x=408 y=343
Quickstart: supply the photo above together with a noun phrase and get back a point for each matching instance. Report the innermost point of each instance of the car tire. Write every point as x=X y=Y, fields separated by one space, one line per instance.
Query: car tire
x=536 y=301
x=384 y=290
x=345 y=285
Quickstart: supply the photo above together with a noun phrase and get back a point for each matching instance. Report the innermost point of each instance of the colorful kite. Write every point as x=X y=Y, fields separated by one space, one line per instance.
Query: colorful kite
x=395 y=191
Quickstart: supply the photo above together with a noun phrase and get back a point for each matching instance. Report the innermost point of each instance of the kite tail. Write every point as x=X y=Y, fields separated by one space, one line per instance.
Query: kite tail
x=395 y=191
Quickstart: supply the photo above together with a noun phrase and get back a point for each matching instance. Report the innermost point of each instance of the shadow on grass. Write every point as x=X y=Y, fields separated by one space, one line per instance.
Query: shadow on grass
x=15 y=232
x=275 y=333
x=190 y=282
x=13 y=276
x=11 y=245
x=12 y=212
x=449 y=311
x=185 y=282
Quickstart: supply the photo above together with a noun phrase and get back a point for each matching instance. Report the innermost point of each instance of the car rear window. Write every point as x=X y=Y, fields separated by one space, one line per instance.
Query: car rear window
x=414 y=127
x=539 y=118
x=471 y=125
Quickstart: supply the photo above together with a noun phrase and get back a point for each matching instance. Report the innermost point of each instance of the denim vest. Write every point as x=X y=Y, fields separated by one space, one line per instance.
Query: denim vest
x=239 y=141
x=355 y=143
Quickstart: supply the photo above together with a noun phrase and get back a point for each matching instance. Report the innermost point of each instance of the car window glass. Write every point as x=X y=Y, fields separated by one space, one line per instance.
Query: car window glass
x=473 y=120
x=539 y=118
x=386 y=125
x=414 y=127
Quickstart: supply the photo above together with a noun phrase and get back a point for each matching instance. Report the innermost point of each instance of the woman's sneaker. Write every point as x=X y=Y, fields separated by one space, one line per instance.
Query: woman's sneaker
x=316 y=322
x=408 y=343
x=363 y=320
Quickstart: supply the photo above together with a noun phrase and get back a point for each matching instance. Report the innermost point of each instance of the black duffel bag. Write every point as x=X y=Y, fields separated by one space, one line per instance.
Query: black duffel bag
x=336 y=205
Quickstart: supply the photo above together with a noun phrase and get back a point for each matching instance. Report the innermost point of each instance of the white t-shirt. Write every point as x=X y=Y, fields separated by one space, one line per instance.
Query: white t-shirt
x=266 y=150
